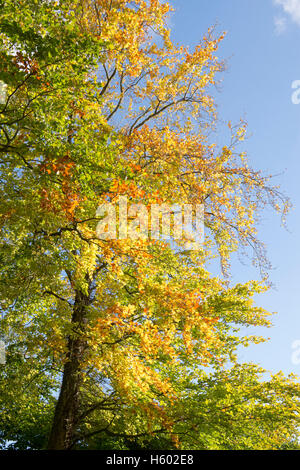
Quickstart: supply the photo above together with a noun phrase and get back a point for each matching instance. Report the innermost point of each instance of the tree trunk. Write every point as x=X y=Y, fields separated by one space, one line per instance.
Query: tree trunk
x=67 y=407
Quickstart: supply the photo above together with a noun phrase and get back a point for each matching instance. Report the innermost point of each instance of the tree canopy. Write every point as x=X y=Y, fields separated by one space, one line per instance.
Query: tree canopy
x=116 y=343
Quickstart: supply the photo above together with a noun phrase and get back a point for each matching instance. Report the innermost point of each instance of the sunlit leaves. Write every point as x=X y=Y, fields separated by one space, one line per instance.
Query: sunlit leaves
x=100 y=104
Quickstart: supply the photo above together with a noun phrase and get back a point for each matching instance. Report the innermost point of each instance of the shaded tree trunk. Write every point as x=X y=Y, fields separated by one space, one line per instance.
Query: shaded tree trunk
x=67 y=408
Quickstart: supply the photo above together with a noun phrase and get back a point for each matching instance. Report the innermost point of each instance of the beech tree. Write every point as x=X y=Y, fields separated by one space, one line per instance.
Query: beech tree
x=101 y=104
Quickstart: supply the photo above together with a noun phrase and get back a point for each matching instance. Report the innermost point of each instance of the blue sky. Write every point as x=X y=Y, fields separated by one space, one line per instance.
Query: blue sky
x=261 y=48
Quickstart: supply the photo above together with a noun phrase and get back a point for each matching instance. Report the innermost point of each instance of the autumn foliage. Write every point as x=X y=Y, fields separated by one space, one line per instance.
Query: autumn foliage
x=135 y=335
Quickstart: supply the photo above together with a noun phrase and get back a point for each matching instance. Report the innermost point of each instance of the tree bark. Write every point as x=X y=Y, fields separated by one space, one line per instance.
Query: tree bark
x=67 y=408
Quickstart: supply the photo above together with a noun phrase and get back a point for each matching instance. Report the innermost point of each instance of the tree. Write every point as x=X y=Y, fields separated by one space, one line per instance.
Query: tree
x=100 y=104
x=27 y=401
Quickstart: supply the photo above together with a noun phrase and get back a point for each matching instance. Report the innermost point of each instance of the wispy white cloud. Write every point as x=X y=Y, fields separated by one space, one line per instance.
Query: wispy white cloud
x=291 y=8
x=280 y=24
